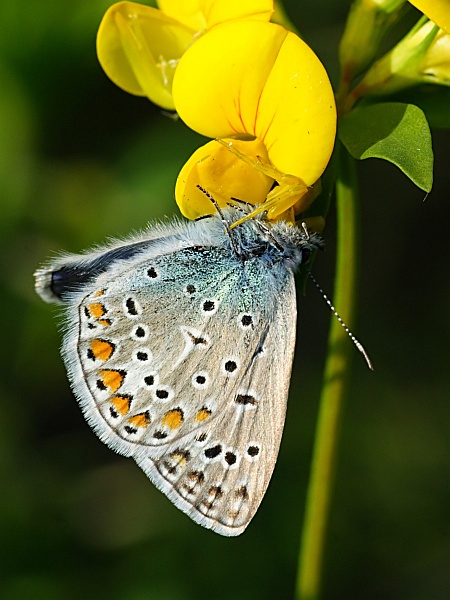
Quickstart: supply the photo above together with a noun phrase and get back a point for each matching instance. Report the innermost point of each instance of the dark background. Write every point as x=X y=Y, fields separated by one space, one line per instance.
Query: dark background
x=80 y=160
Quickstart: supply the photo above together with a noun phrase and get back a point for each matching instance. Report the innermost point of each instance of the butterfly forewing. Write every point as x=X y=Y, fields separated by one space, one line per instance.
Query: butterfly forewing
x=179 y=346
x=180 y=363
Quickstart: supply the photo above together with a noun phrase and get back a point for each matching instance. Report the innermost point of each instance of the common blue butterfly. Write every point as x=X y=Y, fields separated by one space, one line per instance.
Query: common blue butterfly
x=178 y=345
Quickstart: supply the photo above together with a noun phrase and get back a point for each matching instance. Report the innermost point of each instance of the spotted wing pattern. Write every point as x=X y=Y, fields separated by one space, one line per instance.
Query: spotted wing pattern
x=184 y=364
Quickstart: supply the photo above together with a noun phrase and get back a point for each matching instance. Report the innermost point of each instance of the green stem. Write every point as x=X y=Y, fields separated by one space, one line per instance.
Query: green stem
x=337 y=370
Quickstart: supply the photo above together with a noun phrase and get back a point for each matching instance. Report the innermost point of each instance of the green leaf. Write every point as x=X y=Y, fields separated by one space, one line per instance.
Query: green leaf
x=393 y=131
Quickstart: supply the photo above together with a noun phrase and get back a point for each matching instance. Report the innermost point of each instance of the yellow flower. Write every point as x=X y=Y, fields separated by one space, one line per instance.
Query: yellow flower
x=437 y=11
x=139 y=46
x=250 y=80
x=201 y=15
x=214 y=168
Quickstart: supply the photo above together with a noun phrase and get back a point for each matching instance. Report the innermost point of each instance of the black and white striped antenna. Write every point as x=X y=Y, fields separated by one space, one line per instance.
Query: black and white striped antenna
x=339 y=318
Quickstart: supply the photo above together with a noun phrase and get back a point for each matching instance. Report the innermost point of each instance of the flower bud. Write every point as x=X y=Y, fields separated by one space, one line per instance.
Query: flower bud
x=367 y=23
x=422 y=56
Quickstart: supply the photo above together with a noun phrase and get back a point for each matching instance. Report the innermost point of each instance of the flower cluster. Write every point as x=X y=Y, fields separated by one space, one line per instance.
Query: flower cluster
x=422 y=56
x=258 y=91
x=252 y=86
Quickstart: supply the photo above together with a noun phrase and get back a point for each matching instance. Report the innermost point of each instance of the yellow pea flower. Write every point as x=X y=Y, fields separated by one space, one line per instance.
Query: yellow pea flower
x=260 y=84
x=214 y=168
x=139 y=46
x=201 y=15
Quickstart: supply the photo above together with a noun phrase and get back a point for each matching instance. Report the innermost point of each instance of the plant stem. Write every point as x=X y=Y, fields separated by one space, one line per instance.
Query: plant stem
x=336 y=375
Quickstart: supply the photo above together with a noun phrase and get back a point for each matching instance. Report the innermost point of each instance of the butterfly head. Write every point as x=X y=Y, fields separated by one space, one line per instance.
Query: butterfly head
x=274 y=242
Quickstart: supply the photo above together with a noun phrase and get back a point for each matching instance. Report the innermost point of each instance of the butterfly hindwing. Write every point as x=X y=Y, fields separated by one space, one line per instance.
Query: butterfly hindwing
x=179 y=346
x=175 y=366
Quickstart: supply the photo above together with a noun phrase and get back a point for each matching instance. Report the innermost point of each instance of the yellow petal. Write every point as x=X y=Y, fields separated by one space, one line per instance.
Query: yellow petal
x=139 y=48
x=297 y=112
x=435 y=65
x=436 y=10
x=223 y=175
x=203 y=14
x=187 y=12
x=270 y=84
x=227 y=100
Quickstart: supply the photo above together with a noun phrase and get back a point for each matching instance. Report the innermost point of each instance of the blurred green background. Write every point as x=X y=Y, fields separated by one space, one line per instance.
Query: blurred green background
x=80 y=160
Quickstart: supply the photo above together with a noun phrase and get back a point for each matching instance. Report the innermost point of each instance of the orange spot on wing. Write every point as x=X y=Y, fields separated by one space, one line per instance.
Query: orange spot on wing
x=179 y=459
x=203 y=414
x=104 y=322
x=141 y=420
x=112 y=379
x=96 y=309
x=122 y=404
x=102 y=349
x=173 y=418
x=99 y=293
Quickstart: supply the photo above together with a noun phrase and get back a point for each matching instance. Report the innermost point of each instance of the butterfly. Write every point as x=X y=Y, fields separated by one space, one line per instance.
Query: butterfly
x=178 y=345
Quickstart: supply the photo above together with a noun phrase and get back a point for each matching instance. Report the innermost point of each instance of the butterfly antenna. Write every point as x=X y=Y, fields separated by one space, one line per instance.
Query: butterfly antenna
x=222 y=218
x=339 y=318
x=247 y=204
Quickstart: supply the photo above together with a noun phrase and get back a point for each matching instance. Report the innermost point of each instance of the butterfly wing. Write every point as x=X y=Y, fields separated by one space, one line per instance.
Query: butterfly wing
x=182 y=360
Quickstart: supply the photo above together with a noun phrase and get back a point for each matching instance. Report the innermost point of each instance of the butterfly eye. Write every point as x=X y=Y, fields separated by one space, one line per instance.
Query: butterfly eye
x=306 y=254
